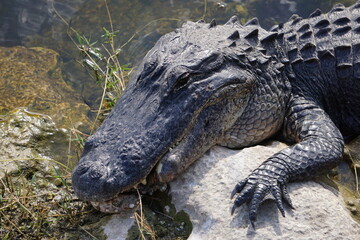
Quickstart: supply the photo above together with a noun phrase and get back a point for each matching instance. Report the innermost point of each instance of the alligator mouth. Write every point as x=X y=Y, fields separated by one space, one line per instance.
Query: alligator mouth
x=121 y=203
x=128 y=199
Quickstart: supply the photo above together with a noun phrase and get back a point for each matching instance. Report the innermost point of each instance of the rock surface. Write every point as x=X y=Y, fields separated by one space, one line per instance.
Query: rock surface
x=118 y=226
x=25 y=138
x=203 y=192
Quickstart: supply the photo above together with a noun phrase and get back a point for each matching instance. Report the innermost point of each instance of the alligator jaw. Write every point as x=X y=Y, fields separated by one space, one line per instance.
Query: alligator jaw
x=128 y=198
x=120 y=203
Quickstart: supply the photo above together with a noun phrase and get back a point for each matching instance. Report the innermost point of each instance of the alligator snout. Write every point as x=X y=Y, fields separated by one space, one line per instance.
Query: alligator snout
x=97 y=184
x=90 y=180
x=106 y=170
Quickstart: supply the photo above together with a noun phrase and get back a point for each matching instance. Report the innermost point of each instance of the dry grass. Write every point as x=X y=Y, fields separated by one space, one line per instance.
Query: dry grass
x=355 y=167
x=35 y=206
x=144 y=228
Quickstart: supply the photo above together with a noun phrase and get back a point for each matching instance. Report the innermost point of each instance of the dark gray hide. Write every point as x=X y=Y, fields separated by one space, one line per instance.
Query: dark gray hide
x=235 y=86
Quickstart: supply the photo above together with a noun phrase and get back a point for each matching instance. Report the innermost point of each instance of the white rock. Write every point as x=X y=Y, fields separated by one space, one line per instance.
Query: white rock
x=203 y=192
x=118 y=226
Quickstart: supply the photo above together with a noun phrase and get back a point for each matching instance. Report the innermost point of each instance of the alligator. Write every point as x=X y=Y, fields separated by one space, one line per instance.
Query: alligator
x=233 y=85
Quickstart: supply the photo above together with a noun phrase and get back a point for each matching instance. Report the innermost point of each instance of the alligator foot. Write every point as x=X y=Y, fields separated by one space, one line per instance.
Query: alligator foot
x=254 y=188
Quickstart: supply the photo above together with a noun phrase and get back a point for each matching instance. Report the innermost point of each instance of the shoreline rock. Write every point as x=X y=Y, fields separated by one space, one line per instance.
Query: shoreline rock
x=203 y=192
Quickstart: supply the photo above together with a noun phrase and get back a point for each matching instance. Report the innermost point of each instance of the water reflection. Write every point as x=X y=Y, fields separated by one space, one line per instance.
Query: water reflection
x=20 y=19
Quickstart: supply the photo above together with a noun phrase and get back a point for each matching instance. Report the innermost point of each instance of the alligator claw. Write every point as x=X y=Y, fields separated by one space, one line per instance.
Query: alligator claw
x=276 y=192
x=254 y=189
x=286 y=196
x=238 y=187
x=244 y=197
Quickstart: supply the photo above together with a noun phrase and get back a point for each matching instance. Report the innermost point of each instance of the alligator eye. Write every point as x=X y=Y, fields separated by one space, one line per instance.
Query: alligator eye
x=182 y=82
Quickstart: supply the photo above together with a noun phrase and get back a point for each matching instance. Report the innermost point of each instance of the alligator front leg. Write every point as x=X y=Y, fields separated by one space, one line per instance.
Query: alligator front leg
x=319 y=147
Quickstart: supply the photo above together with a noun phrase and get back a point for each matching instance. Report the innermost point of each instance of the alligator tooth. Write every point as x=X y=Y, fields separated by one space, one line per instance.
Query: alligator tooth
x=143 y=181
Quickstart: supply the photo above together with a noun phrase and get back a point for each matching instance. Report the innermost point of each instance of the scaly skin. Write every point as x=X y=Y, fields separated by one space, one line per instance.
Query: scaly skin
x=320 y=147
x=323 y=64
x=233 y=85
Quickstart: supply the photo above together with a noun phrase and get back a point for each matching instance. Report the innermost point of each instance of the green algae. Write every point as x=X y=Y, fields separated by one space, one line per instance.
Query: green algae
x=31 y=78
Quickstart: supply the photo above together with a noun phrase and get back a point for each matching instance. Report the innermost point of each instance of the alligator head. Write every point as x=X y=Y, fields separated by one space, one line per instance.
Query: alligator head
x=188 y=91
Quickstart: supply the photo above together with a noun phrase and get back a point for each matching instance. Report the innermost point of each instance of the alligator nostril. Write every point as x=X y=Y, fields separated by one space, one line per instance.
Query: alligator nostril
x=93 y=170
x=96 y=170
x=82 y=168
